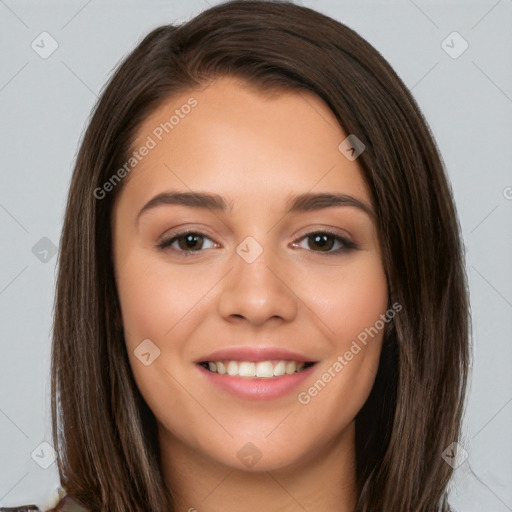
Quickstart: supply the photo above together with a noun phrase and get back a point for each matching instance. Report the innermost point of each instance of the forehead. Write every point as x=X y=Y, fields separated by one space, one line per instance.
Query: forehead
x=234 y=137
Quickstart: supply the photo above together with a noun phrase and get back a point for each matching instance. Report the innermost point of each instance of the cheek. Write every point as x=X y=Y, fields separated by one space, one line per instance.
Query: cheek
x=350 y=304
x=154 y=298
x=163 y=305
x=349 y=300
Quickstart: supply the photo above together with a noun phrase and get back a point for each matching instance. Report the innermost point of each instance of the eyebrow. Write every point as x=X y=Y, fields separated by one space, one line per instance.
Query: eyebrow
x=299 y=203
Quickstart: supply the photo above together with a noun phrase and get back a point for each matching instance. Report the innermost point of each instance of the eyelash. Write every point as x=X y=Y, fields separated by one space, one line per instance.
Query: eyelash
x=347 y=245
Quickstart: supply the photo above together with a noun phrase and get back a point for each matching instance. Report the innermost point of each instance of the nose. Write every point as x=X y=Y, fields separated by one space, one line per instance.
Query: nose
x=258 y=291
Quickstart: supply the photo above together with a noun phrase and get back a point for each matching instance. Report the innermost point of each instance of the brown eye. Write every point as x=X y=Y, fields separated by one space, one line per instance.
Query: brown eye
x=328 y=243
x=322 y=241
x=190 y=241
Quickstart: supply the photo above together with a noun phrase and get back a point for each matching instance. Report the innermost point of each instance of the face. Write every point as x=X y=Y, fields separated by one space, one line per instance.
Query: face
x=267 y=262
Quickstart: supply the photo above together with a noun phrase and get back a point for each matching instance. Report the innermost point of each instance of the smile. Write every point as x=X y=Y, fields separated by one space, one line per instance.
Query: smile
x=260 y=369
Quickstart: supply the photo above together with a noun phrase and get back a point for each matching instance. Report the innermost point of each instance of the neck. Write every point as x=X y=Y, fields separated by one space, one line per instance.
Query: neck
x=324 y=480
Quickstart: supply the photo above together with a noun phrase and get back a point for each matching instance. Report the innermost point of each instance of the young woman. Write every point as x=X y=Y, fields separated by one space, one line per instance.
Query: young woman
x=261 y=301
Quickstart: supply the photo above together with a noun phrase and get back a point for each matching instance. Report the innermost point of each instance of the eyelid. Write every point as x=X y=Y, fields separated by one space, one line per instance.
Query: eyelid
x=181 y=231
x=166 y=241
x=337 y=232
x=346 y=242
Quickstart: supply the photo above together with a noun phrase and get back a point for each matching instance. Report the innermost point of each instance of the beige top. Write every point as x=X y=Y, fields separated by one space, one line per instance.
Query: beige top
x=56 y=501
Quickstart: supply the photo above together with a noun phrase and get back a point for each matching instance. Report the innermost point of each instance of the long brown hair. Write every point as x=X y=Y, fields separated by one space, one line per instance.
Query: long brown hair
x=104 y=433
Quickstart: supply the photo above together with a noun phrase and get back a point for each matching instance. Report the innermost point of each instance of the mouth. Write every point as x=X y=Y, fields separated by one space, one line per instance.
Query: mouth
x=256 y=369
x=256 y=373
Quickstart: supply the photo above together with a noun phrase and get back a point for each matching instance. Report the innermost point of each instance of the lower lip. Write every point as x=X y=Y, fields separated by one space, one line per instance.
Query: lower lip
x=257 y=388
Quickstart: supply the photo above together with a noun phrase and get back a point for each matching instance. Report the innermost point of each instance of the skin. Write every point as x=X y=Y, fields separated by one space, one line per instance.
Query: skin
x=256 y=149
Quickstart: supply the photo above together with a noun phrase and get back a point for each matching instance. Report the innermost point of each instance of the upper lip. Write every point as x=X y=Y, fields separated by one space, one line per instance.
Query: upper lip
x=254 y=354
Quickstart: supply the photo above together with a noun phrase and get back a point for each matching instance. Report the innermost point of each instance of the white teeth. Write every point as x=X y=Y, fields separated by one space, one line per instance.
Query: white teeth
x=232 y=368
x=290 y=367
x=260 y=369
x=279 y=369
x=264 y=369
x=246 y=369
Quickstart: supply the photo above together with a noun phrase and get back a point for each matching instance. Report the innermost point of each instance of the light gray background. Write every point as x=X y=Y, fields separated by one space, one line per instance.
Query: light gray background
x=44 y=106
